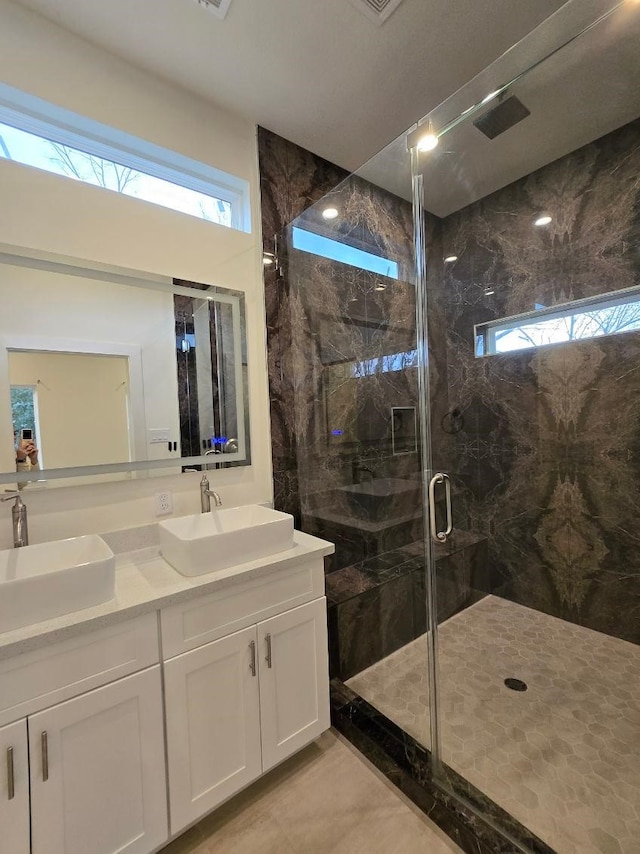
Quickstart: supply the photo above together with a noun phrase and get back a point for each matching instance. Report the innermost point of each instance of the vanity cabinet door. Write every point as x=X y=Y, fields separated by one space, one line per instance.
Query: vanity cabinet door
x=98 y=771
x=213 y=725
x=294 y=680
x=14 y=788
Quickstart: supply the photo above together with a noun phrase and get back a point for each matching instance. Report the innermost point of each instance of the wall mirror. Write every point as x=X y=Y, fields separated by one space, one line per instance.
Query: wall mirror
x=109 y=373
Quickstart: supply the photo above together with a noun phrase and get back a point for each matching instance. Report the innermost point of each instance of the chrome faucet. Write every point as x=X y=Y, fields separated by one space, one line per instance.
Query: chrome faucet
x=19 y=514
x=207 y=494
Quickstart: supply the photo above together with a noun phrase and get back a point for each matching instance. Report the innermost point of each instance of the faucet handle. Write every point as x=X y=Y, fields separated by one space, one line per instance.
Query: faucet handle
x=12 y=495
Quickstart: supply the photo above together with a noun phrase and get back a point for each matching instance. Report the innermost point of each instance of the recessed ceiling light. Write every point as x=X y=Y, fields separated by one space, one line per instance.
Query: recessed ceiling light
x=381 y=287
x=330 y=213
x=543 y=220
x=427 y=142
x=450 y=259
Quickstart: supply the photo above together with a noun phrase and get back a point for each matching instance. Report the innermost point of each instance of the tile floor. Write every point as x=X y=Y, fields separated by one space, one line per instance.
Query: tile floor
x=563 y=757
x=325 y=800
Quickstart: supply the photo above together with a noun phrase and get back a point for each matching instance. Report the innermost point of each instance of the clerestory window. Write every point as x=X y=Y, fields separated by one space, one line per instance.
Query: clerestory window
x=38 y=134
x=608 y=314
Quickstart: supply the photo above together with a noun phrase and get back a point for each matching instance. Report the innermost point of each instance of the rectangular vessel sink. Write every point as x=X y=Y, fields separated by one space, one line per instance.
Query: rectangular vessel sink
x=52 y=579
x=206 y=542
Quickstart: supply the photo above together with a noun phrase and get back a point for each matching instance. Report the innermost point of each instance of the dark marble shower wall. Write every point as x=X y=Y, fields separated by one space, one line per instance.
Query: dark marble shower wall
x=331 y=403
x=291 y=179
x=547 y=463
x=342 y=370
x=354 y=355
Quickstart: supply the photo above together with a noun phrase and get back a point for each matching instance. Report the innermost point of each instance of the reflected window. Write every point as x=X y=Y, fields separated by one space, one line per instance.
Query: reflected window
x=593 y=318
x=384 y=364
x=335 y=250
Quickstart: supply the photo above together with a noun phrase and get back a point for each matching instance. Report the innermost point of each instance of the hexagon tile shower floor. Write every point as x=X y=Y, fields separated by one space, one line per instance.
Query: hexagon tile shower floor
x=562 y=757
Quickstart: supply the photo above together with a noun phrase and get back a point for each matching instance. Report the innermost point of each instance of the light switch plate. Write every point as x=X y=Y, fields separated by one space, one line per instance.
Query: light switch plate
x=158 y=435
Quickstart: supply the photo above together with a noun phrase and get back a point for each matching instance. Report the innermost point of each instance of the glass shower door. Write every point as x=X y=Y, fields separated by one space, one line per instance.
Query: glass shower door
x=528 y=208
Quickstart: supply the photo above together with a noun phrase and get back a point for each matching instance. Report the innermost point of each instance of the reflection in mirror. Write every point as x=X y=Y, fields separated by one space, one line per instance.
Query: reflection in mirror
x=207 y=363
x=77 y=405
x=116 y=373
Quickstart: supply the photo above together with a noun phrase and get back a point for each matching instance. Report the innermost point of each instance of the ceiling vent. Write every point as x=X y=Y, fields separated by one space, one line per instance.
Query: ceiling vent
x=218 y=7
x=377 y=10
x=501 y=118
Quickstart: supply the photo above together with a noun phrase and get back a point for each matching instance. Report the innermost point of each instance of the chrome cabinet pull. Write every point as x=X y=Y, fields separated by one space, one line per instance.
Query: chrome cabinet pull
x=252 y=666
x=11 y=785
x=440 y=536
x=268 y=658
x=44 y=745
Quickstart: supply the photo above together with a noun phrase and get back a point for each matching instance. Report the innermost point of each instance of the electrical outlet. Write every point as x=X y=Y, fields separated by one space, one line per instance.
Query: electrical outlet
x=164 y=503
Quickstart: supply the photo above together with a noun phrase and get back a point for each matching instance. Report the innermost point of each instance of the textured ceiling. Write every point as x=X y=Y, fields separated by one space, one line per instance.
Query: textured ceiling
x=319 y=73
x=585 y=89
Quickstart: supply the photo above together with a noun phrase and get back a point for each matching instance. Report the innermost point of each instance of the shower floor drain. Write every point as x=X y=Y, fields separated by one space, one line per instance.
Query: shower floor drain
x=516 y=684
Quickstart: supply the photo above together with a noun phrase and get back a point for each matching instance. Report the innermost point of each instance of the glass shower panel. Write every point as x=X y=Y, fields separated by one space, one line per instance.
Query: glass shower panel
x=533 y=220
x=346 y=271
x=401 y=335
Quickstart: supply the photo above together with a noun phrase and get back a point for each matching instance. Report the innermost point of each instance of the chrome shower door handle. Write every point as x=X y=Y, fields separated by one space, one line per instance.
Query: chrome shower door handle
x=440 y=536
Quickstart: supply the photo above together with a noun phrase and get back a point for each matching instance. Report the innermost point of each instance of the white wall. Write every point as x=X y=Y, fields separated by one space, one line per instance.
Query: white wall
x=55 y=214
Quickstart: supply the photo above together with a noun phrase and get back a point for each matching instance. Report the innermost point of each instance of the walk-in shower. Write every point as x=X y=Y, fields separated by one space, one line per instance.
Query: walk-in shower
x=465 y=361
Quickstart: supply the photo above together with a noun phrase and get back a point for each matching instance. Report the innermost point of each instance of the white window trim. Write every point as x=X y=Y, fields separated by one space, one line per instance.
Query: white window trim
x=33 y=115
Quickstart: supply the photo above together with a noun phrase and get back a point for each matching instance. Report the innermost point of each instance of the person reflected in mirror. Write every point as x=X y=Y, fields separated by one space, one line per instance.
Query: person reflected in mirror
x=26 y=456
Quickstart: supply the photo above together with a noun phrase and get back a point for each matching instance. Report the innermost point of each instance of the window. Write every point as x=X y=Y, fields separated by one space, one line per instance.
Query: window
x=38 y=134
x=609 y=314
x=309 y=241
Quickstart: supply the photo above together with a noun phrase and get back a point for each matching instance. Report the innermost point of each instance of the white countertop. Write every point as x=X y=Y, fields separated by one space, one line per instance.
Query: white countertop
x=145 y=582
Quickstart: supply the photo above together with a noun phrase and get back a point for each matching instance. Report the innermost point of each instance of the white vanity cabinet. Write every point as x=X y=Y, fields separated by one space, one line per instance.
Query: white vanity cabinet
x=87 y=745
x=294 y=680
x=14 y=788
x=98 y=772
x=238 y=705
x=213 y=725
x=106 y=731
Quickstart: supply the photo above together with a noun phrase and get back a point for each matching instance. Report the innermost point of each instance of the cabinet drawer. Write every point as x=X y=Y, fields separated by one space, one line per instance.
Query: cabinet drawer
x=38 y=679
x=230 y=609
